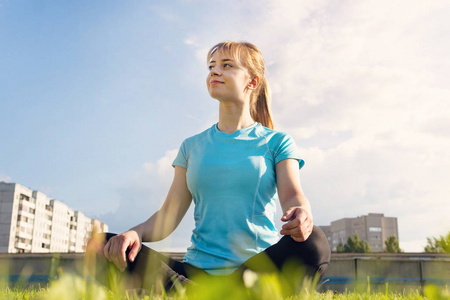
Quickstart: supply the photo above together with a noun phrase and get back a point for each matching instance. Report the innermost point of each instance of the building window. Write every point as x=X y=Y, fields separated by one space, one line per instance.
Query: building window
x=24 y=197
x=22 y=218
x=375 y=229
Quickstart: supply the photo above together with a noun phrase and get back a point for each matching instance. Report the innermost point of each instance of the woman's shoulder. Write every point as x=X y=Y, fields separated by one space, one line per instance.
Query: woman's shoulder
x=274 y=135
x=283 y=145
x=197 y=138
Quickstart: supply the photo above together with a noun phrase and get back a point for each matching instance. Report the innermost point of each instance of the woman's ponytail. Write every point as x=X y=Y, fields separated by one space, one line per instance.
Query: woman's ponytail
x=260 y=106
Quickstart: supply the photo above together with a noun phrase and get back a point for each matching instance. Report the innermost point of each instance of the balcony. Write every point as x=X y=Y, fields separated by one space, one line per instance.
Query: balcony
x=26 y=210
x=25 y=235
x=27 y=203
x=25 y=220
x=23 y=197
x=23 y=243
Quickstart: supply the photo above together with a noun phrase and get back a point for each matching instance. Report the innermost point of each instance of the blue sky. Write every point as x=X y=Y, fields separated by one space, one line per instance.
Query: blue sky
x=97 y=96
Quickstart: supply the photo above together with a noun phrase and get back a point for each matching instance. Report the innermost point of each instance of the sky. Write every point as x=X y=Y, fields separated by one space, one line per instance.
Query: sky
x=97 y=96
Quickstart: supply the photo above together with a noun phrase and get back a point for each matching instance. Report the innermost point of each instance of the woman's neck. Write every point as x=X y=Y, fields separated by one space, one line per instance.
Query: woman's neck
x=233 y=117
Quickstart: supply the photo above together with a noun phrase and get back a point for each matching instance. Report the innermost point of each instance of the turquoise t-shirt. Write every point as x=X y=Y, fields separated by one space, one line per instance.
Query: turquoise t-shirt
x=232 y=181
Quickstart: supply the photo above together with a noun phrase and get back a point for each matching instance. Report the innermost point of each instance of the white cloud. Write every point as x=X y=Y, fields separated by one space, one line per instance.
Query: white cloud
x=189 y=42
x=363 y=87
x=363 y=68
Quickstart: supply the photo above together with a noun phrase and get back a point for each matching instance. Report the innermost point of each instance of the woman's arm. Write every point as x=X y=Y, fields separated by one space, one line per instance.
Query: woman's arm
x=166 y=220
x=295 y=205
x=157 y=227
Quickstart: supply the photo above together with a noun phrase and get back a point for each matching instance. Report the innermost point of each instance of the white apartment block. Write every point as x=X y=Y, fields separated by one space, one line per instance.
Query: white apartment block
x=373 y=228
x=32 y=222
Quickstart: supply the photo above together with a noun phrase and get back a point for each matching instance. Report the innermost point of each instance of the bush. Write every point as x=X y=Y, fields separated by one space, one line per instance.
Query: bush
x=355 y=245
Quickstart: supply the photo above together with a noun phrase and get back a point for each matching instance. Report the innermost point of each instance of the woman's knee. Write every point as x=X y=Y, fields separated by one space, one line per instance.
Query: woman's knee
x=322 y=250
x=318 y=243
x=314 y=252
x=97 y=242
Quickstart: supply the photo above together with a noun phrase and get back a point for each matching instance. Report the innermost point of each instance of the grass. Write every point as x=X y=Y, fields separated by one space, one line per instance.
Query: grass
x=265 y=287
x=270 y=286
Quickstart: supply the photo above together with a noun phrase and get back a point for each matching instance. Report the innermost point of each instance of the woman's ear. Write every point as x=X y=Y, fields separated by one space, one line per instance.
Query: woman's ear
x=254 y=82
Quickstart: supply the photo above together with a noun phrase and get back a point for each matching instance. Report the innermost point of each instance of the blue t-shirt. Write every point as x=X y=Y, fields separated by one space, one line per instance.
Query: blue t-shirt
x=232 y=180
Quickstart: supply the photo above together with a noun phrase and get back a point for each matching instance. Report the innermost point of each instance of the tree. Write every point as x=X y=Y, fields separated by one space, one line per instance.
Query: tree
x=392 y=245
x=355 y=245
x=438 y=245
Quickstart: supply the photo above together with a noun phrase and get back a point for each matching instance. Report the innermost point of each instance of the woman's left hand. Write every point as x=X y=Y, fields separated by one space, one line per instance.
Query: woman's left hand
x=299 y=223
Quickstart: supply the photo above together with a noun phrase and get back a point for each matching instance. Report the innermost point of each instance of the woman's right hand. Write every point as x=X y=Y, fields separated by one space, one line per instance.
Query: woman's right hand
x=115 y=249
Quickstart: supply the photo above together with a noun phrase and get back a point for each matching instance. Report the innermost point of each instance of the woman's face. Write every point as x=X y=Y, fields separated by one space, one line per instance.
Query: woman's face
x=226 y=79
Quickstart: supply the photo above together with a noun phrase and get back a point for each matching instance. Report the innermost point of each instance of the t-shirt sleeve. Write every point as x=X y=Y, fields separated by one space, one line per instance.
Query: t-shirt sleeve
x=181 y=159
x=288 y=149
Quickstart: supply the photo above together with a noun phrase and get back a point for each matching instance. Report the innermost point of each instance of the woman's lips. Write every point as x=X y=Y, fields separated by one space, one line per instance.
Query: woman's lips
x=216 y=82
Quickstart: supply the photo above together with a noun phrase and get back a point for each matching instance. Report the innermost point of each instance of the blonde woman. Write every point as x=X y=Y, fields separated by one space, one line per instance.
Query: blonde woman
x=232 y=172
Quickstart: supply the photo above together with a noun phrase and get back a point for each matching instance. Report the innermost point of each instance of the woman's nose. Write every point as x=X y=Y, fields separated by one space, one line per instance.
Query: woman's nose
x=214 y=71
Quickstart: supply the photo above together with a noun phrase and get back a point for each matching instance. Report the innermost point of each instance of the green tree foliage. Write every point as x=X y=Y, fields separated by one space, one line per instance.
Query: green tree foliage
x=392 y=245
x=438 y=245
x=355 y=245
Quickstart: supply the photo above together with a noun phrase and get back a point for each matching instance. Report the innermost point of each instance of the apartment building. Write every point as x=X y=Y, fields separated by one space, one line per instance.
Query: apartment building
x=373 y=228
x=32 y=222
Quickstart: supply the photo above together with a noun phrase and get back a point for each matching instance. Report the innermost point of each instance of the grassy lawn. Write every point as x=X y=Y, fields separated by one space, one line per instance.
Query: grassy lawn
x=267 y=287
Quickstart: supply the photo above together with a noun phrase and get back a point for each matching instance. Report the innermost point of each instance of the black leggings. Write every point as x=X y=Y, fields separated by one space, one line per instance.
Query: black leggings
x=149 y=266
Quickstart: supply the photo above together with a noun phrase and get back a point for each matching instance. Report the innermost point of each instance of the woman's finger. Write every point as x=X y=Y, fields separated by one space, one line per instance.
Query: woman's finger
x=134 y=251
x=288 y=214
x=106 y=251
x=291 y=224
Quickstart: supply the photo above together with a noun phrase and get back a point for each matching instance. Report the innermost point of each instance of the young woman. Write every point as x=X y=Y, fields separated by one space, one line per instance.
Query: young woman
x=233 y=172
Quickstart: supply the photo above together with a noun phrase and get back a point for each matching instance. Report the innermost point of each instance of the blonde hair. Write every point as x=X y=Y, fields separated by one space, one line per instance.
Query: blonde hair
x=250 y=57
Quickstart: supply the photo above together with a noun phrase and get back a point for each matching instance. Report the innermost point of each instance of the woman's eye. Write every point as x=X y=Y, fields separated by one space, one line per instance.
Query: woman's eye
x=210 y=68
x=227 y=66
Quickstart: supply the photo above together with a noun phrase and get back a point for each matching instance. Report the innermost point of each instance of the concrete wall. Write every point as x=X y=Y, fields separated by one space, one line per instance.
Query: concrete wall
x=346 y=271
x=400 y=271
